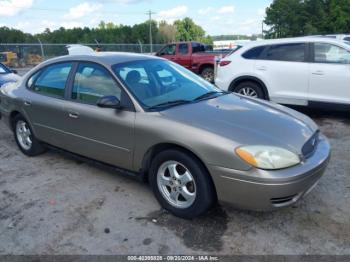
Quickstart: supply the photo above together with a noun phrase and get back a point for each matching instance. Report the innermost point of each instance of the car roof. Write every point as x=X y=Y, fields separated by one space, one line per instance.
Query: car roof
x=106 y=58
x=293 y=40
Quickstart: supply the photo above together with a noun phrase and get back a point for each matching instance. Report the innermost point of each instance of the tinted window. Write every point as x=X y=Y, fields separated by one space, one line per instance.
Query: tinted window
x=254 y=53
x=3 y=58
x=32 y=79
x=91 y=82
x=197 y=47
x=286 y=52
x=165 y=77
x=327 y=53
x=347 y=39
x=136 y=77
x=52 y=80
x=183 y=49
x=3 y=69
x=169 y=50
x=169 y=82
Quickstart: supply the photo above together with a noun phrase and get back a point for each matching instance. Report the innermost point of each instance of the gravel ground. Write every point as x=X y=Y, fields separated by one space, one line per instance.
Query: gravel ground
x=53 y=204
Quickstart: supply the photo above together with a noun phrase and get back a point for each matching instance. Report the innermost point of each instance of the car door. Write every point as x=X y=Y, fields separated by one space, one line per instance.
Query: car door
x=184 y=55
x=103 y=134
x=168 y=52
x=44 y=101
x=330 y=74
x=284 y=69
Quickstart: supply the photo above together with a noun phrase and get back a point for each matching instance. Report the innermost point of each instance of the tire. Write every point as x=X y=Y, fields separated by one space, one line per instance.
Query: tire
x=251 y=89
x=32 y=148
x=208 y=74
x=199 y=192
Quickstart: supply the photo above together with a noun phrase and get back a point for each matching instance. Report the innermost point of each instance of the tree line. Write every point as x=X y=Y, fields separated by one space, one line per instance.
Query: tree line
x=290 y=18
x=162 y=32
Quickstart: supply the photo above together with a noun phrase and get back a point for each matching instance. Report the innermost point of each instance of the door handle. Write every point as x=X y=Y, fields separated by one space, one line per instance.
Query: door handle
x=318 y=73
x=73 y=115
x=261 y=68
x=27 y=103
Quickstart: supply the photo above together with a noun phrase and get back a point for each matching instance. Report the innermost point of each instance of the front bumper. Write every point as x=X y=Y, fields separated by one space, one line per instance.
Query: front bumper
x=264 y=190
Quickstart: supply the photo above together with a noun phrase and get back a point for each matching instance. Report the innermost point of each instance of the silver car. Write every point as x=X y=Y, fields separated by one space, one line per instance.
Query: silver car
x=153 y=119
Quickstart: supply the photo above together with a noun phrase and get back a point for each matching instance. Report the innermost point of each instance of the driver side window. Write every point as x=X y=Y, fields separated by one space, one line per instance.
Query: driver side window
x=169 y=50
x=91 y=82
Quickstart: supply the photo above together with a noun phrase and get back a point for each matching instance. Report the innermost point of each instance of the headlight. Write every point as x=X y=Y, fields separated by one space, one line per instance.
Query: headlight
x=267 y=157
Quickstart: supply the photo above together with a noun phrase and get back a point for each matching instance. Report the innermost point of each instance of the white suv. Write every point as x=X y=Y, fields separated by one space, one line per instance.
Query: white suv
x=298 y=71
x=339 y=37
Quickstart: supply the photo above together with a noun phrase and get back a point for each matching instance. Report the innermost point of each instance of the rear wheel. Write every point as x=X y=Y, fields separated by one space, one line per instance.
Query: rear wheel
x=25 y=138
x=181 y=184
x=208 y=74
x=250 y=89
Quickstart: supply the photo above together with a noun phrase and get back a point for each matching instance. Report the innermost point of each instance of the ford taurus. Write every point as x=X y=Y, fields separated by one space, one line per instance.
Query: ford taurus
x=154 y=119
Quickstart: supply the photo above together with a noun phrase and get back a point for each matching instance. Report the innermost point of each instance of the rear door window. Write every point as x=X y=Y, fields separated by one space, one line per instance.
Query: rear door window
x=183 y=49
x=254 y=53
x=197 y=47
x=331 y=54
x=294 y=52
x=52 y=80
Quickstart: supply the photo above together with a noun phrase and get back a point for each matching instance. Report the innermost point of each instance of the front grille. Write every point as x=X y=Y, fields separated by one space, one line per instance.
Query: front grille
x=311 y=145
x=280 y=201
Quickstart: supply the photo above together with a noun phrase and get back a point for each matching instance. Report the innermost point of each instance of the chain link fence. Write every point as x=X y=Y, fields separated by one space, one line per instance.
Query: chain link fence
x=28 y=55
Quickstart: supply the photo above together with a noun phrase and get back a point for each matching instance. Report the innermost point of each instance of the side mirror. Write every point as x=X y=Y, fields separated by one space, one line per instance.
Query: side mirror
x=14 y=71
x=109 y=102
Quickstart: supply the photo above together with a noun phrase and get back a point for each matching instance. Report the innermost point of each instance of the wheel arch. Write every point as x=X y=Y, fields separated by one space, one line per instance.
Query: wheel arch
x=12 y=117
x=158 y=148
x=242 y=79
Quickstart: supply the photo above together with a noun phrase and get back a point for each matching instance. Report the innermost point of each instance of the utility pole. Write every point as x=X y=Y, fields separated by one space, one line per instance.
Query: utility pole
x=150 y=13
x=262 y=29
x=42 y=49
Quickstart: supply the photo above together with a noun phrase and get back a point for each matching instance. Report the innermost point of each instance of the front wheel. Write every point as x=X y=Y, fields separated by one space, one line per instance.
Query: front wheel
x=25 y=138
x=181 y=184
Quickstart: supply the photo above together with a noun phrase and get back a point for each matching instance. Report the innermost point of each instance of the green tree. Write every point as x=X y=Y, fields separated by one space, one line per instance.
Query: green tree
x=167 y=32
x=290 y=18
x=187 y=30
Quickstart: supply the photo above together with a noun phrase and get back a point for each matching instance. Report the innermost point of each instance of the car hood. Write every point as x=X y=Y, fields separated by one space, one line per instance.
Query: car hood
x=5 y=78
x=247 y=121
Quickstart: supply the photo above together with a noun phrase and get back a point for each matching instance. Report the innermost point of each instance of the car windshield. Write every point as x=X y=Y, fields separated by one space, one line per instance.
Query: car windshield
x=159 y=84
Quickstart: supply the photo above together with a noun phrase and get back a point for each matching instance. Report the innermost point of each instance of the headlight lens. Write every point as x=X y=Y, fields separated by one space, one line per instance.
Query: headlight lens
x=268 y=157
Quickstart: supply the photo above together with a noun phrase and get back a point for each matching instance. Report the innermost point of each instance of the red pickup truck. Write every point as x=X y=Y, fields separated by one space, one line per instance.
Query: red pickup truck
x=195 y=56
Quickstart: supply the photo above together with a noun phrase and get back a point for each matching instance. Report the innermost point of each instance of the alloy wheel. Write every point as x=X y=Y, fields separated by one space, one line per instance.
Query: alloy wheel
x=176 y=184
x=24 y=135
x=248 y=91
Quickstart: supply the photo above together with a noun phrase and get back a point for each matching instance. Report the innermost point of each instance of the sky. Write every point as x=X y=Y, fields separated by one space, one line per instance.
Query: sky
x=216 y=17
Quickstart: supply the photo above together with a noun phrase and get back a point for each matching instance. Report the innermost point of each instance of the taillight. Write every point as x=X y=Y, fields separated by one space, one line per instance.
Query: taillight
x=225 y=63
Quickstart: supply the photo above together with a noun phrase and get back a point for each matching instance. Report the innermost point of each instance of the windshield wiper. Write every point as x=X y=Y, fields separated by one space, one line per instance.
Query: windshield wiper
x=208 y=95
x=170 y=104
